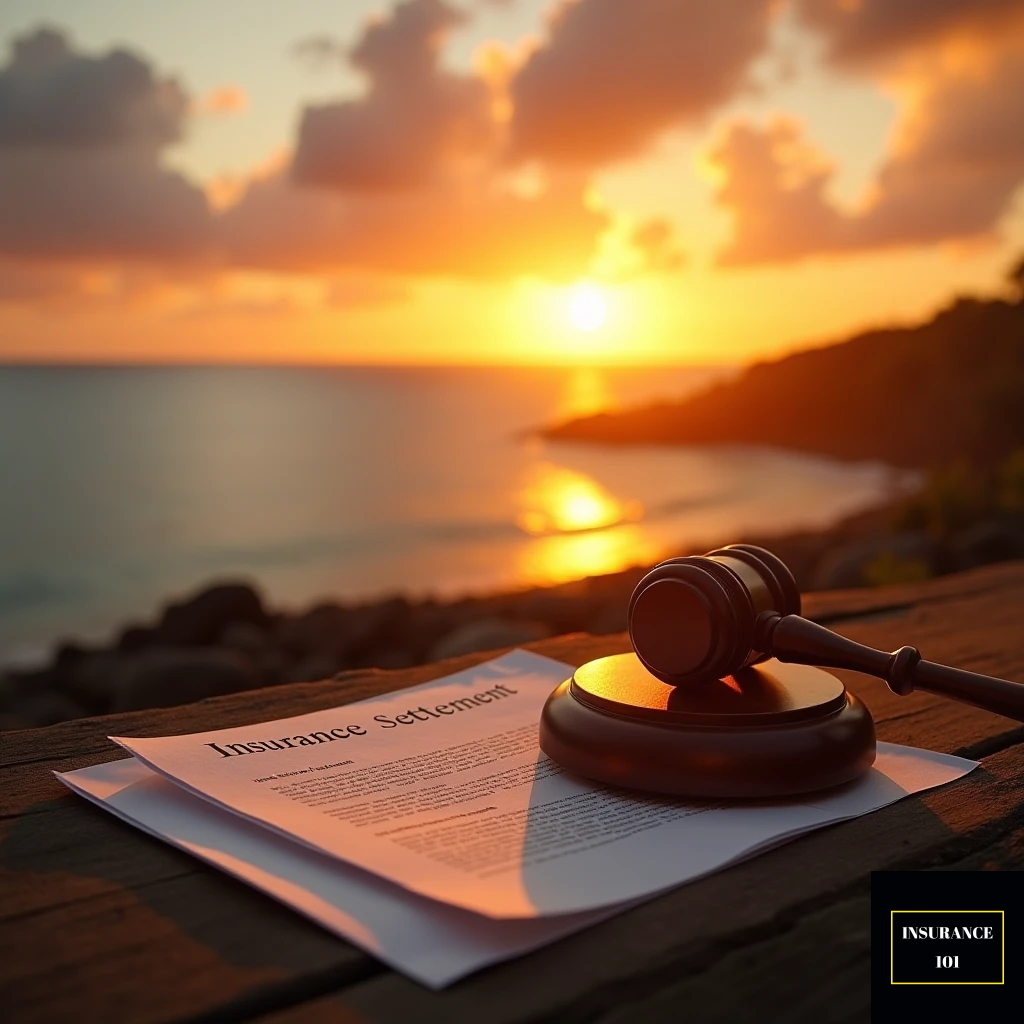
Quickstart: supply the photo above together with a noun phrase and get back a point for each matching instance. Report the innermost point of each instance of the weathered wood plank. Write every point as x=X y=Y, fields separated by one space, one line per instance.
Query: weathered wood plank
x=103 y=918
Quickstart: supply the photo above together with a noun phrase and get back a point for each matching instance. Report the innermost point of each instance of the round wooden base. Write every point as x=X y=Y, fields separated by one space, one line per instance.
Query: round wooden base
x=773 y=729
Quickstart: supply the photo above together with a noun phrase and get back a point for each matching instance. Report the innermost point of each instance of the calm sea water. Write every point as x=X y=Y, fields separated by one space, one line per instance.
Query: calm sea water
x=120 y=488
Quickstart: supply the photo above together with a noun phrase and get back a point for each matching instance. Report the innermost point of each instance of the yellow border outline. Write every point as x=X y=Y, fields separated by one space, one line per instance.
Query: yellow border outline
x=892 y=923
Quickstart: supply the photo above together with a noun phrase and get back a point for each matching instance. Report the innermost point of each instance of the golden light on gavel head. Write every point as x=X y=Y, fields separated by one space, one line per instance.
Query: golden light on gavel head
x=720 y=697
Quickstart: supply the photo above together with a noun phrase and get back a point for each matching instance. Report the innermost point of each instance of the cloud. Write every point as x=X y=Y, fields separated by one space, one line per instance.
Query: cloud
x=613 y=75
x=460 y=229
x=655 y=240
x=416 y=120
x=52 y=96
x=409 y=177
x=775 y=189
x=98 y=205
x=80 y=139
x=348 y=292
x=952 y=175
x=32 y=284
x=225 y=99
x=868 y=31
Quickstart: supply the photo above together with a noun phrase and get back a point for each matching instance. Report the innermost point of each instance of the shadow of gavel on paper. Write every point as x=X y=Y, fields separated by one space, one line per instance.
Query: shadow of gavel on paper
x=718 y=698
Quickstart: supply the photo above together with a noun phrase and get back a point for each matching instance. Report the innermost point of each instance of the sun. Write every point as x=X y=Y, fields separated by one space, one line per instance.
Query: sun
x=587 y=307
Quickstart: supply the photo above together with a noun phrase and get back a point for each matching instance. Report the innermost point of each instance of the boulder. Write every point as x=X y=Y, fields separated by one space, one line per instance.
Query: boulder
x=324 y=630
x=47 y=707
x=134 y=637
x=393 y=658
x=311 y=669
x=992 y=540
x=379 y=626
x=245 y=637
x=95 y=680
x=486 y=634
x=199 y=620
x=350 y=636
x=164 y=677
x=893 y=558
x=561 y=609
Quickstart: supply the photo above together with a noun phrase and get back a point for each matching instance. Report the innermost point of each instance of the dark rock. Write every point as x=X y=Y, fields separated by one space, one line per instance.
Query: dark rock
x=379 y=625
x=486 y=634
x=562 y=609
x=326 y=629
x=900 y=557
x=164 y=677
x=348 y=635
x=311 y=669
x=392 y=659
x=245 y=637
x=47 y=707
x=94 y=680
x=135 y=637
x=199 y=620
x=993 y=540
x=414 y=634
x=68 y=655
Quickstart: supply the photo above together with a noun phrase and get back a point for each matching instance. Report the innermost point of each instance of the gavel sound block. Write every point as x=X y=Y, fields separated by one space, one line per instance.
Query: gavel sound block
x=720 y=697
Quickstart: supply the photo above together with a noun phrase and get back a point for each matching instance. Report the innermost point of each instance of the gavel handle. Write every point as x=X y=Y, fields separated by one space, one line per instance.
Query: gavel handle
x=799 y=641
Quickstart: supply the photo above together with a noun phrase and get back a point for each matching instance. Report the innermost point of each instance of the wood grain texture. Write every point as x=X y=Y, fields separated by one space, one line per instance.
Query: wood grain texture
x=100 y=922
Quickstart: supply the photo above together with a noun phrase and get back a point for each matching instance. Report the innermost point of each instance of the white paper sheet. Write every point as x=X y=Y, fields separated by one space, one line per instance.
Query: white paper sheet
x=431 y=942
x=451 y=797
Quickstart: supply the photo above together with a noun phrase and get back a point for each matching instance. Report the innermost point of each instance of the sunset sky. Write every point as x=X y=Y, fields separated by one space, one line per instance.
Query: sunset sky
x=499 y=181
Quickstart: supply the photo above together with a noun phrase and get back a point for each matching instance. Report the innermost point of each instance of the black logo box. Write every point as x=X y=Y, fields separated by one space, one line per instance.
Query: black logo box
x=947 y=890
x=947 y=947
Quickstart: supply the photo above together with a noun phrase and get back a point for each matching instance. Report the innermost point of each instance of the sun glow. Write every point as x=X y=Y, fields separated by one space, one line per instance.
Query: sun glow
x=560 y=500
x=588 y=309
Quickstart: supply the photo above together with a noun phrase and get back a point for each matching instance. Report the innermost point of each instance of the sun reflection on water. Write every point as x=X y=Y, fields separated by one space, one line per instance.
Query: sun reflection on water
x=560 y=500
x=580 y=528
x=559 y=558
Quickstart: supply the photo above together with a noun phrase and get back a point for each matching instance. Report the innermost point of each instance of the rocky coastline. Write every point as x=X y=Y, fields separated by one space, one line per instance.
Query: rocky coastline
x=225 y=638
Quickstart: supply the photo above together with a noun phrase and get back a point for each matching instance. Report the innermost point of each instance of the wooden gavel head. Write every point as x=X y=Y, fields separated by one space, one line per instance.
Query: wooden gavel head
x=694 y=618
x=685 y=714
x=706 y=617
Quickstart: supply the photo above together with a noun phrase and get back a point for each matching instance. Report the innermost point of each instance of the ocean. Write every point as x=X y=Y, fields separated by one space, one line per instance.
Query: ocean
x=121 y=488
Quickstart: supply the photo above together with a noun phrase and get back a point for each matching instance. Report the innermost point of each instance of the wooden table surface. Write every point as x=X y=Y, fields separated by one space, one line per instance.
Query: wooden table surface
x=100 y=922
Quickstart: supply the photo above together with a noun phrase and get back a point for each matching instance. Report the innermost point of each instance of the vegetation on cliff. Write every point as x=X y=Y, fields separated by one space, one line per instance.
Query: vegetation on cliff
x=949 y=389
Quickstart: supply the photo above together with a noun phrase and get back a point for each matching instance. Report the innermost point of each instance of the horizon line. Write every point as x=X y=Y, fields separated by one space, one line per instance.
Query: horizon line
x=104 y=364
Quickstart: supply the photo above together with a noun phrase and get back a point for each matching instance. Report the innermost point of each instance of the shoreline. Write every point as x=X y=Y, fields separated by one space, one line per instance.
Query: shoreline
x=225 y=639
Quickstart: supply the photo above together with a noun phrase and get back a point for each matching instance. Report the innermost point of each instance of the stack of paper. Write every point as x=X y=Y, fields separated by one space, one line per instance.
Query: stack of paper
x=427 y=827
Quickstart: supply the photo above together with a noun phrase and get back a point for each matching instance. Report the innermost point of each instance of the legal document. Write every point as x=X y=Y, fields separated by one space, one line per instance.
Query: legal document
x=431 y=942
x=442 y=789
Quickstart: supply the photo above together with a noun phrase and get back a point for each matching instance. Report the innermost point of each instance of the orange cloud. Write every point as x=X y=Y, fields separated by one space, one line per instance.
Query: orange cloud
x=416 y=120
x=864 y=32
x=409 y=178
x=226 y=99
x=958 y=160
x=613 y=75
x=655 y=240
x=469 y=230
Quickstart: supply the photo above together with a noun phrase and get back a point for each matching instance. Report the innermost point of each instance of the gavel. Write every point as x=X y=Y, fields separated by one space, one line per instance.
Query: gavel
x=724 y=695
x=707 y=616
